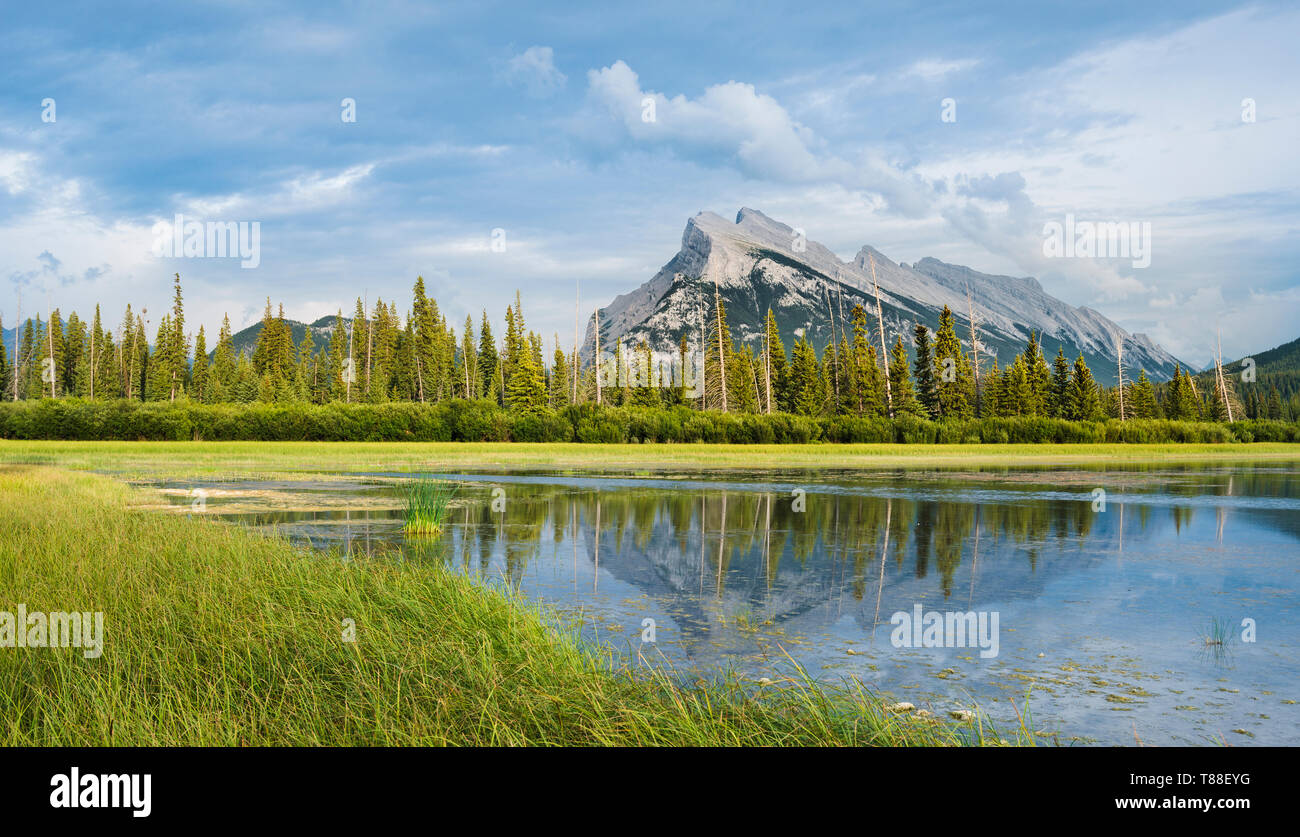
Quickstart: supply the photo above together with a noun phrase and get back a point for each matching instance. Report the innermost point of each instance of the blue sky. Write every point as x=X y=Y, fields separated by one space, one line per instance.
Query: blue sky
x=527 y=118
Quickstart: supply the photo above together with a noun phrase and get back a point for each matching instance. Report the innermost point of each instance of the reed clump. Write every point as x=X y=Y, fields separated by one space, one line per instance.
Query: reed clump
x=427 y=502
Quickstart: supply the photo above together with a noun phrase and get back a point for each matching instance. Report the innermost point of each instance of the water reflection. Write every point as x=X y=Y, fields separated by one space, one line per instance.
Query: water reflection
x=1103 y=605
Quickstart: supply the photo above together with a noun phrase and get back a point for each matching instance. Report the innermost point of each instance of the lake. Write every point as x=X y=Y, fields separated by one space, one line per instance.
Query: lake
x=1154 y=604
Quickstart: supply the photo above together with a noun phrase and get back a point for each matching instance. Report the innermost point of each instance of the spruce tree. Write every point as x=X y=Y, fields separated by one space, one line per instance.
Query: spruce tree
x=954 y=386
x=525 y=384
x=1059 y=393
x=1142 y=397
x=559 y=384
x=487 y=362
x=1084 y=400
x=199 y=373
x=927 y=391
x=900 y=383
x=1274 y=408
x=1038 y=377
x=991 y=398
x=804 y=379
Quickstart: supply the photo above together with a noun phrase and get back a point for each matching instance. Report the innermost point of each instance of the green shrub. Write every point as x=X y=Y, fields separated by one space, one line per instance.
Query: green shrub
x=485 y=421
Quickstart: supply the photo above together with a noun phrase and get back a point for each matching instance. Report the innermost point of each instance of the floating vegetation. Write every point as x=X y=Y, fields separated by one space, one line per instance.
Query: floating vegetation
x=427 y=502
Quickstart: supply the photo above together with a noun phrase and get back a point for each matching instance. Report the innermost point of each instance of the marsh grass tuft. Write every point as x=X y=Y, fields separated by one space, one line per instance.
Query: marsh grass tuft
x=427 y=501
x=1217 y=633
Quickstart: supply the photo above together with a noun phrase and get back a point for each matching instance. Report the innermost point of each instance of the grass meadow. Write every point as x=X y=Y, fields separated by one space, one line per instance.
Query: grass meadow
x=191 y=459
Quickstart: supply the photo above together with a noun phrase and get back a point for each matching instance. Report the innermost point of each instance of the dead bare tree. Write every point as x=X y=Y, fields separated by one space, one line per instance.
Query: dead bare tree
x=1119 y=365
x=884 y=353
x=722 y=357
x=596 y=357
x=974 y=348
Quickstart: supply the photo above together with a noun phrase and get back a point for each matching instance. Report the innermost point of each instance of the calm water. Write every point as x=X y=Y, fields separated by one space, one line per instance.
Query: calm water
x=1104 y=603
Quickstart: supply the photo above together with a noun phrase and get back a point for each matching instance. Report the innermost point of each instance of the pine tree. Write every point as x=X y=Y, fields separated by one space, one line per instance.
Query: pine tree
x=1142 y=397
x=176 y=362
x=425 y=336
x=53 y=351
x=868 y=382
x=1059 y=393
x=1017 y=391
x=74 y=349
x=991 y=398
x=1084 y=401
x=804 y=379
x=900 y=384
x=306 y=372
x=29 y=364
x=955 y=386
x=923 y=372
x=525 y=385
x=1216 y=410
x=1038 y=377
x=199 y=373
x=221 y=372
x=488 y=362
x=1274 y=403
x=559 y=384
x=1173 y=396
x=157 y=377
x=744 y=383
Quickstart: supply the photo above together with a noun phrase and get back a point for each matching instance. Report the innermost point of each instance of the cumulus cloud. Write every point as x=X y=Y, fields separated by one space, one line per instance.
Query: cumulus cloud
x=733 y=120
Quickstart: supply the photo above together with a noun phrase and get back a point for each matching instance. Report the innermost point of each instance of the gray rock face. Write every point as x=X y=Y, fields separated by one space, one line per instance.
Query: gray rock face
x=757 y=263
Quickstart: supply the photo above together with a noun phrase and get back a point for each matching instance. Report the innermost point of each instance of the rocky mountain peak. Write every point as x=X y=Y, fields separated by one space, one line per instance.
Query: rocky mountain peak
x=757 y=263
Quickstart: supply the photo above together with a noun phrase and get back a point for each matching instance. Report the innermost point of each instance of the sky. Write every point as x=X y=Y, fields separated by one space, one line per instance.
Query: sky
x=498 y=147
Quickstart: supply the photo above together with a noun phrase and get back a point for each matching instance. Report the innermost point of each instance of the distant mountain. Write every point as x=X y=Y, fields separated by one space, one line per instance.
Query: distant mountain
x=1284 y=359
x=758 y=262
x=1277 y=368
x=245 y=340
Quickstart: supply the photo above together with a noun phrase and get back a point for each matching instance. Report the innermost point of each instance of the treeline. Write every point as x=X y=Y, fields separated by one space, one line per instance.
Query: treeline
x=381 y=356
x=482 y=420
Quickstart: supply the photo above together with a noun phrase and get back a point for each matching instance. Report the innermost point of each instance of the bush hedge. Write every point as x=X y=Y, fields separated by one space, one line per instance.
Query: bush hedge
x=484 y=421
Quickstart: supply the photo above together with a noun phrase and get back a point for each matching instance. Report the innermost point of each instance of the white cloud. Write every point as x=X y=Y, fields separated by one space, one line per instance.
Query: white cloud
x=534 y=69
x=753 y=129
x=932 y=69
x=302 y=193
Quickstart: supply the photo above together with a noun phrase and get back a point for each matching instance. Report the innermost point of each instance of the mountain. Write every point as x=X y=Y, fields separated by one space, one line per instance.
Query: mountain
x=1281 y=360
x=245 y=340
x=1276 y=369
x=755 y=263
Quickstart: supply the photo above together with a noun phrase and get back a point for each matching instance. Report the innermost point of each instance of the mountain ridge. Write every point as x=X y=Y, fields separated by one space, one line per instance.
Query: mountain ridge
x=758 y=261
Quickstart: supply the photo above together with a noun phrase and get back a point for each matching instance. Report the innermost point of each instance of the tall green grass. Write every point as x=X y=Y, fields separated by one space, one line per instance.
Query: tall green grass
x=427 y=501
x=214 y=635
